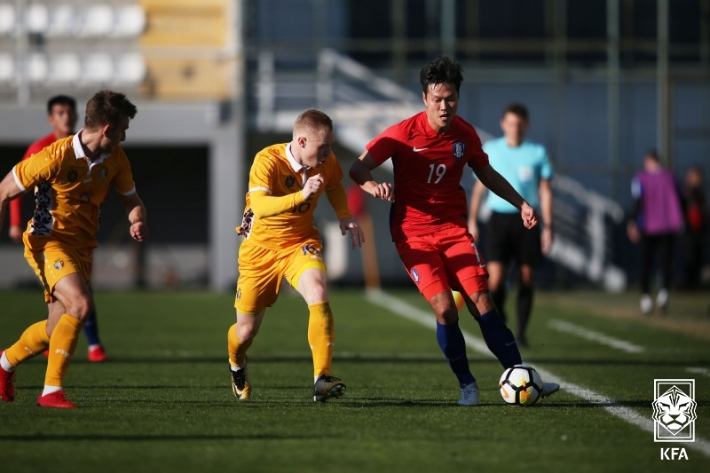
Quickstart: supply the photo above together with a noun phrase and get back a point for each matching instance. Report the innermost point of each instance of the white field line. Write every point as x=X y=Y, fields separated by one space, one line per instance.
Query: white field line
x=422 y=317
x=594 y=336
x=698 y=370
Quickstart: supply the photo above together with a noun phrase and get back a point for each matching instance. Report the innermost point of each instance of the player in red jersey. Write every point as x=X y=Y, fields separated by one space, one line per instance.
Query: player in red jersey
x=428 y=218
x=62 y=117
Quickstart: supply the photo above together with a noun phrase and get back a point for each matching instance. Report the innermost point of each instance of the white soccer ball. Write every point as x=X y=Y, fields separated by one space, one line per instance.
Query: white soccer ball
x=520 y=385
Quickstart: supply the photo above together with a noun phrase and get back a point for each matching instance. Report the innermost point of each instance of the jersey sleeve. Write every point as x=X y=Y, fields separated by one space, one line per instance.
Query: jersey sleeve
x=41 y=166
x=123 y=180
x=546 y=171
x=261 y=174
x=34 y=148
x=385 y=145
x=477 y=157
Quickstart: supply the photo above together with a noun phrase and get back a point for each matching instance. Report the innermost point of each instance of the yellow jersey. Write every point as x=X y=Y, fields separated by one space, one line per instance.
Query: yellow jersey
x=69 y=191
x=276 y=173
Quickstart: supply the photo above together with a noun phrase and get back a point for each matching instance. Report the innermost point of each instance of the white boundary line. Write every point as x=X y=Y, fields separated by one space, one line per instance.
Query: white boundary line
x=698 y=370
x=422 y=317
x=594 y=336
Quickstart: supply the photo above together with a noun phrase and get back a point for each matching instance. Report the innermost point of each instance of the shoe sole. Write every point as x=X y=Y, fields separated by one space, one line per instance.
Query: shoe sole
x=336 y=391
x=548 y=394
x=240 y=396
x=468 y=404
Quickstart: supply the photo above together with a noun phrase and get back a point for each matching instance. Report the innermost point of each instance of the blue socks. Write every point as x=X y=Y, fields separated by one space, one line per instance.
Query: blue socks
x=453 y=346
x=91 y=329
x=499 y=339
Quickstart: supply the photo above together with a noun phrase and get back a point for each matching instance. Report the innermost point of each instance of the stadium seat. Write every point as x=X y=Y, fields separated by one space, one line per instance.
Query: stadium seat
x=97 y=21
x=7 y=68
x=97 y=69
x=63 y=21
x=130 y=69
x=37 y=18
x=7 y=19
x=36 y=68
x=64 y=69
x=129 y=21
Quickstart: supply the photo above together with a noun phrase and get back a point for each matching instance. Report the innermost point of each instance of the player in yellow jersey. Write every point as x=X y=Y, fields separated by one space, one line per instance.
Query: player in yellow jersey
x=281 y=241
x=71 y=177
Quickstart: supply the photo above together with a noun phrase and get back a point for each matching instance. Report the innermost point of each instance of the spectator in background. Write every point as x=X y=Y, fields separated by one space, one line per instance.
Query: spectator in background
x=656 y=219
x=696 y=226
x=525 y=165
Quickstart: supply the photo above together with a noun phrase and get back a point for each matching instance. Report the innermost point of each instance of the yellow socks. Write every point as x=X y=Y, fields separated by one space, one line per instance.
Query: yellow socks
x=33 y=341
x=61 y=348
x=321 y=336
x=237 y=349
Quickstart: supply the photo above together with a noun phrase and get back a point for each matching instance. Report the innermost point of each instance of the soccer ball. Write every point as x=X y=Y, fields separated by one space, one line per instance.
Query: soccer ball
x=520 y=385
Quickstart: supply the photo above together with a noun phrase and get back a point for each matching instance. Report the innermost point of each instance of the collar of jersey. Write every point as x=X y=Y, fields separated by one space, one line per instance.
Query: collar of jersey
x=79 y=151
x=292 y=161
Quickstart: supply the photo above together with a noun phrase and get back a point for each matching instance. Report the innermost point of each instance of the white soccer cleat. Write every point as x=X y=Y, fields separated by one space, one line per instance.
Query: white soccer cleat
x=548 y=389
x=662 y=300
x=469 y=395
x=646 y=304
x=327 y=387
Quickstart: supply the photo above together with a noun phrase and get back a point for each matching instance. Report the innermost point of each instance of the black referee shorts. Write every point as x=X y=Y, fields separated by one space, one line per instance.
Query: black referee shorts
x=509 y=239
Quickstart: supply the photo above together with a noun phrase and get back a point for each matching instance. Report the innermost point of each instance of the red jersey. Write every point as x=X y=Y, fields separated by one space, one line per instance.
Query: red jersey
x=427 y=173
x=16 y=204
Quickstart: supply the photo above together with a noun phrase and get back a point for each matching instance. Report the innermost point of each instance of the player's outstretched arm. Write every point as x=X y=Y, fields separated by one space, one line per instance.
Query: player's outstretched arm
x=360 y=173
x=136 y=216
x=8 y=191
x=545 y=192
x=338 y=199
x=498 y=185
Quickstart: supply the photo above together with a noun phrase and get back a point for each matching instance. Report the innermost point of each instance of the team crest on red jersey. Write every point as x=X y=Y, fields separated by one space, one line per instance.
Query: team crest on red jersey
x=459 y=149
x=415 y=276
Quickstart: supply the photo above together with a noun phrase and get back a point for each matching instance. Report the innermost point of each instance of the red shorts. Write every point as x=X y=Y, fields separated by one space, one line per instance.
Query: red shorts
x=442 y=261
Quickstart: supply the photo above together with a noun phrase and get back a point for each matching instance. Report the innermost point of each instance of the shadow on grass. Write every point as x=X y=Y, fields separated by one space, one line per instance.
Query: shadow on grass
x=39 y=437
x=398 y=360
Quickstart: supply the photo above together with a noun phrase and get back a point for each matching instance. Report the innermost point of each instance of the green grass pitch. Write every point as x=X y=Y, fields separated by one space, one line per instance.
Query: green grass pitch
x=163 y=402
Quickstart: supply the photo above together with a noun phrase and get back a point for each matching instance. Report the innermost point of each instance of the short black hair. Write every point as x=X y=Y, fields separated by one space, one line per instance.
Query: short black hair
x=653 y=154
x=439 y=71
x=516 y=109
x=60 y=100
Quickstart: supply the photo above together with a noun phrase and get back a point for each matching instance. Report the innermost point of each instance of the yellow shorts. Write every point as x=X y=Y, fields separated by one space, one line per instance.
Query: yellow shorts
x=57 y=260
x=261 y=270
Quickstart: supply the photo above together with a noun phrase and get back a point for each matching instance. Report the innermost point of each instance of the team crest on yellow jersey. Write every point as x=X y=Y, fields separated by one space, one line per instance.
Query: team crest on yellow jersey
x=59 y=264
x=290 y=181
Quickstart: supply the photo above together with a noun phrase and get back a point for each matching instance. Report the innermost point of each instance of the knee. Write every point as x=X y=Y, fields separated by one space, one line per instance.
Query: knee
x=483 y=301
x=81 y=308
x=246 y=332
x=447 y=315
x=316 y=294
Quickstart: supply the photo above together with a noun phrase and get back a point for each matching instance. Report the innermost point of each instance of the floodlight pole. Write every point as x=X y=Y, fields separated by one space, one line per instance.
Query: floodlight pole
x=663 y=85
x=613 y=93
